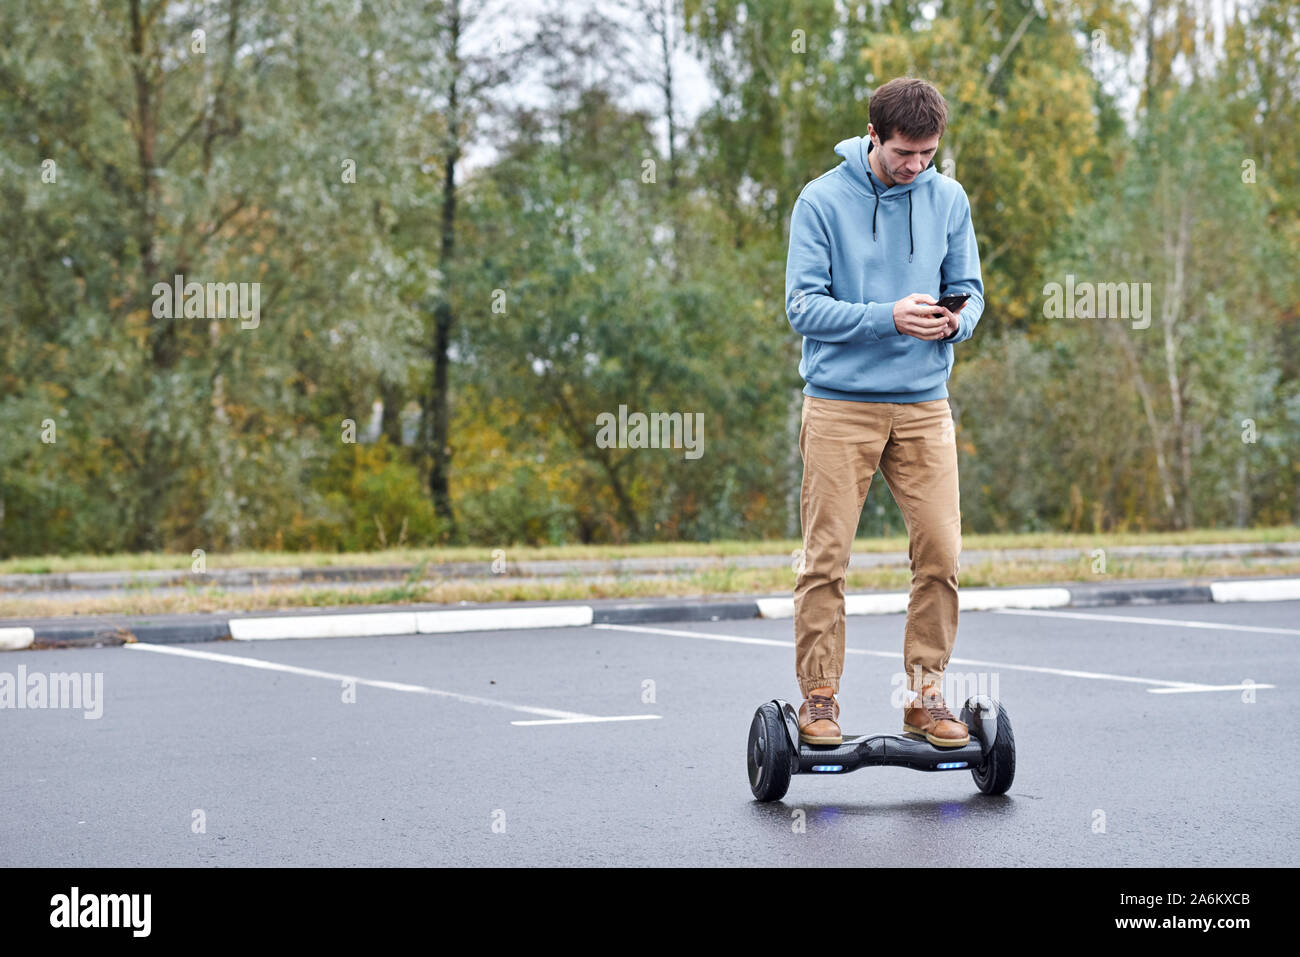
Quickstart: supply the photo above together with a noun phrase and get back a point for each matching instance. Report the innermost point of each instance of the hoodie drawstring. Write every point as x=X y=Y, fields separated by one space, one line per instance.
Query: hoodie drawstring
x=877 y=207
x=911 y=246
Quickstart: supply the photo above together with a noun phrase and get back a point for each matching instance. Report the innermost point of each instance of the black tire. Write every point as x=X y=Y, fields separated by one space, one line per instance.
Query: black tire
x=995 y=775
x=768 y=755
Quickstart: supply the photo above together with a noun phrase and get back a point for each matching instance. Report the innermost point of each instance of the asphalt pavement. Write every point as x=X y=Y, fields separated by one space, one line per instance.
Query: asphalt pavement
x=1144 y=737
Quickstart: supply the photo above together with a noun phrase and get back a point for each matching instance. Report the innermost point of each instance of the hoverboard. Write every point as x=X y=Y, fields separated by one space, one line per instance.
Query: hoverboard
x=776 y=753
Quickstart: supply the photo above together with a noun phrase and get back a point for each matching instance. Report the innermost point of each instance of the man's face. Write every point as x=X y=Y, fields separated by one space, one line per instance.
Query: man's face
x=902 y=159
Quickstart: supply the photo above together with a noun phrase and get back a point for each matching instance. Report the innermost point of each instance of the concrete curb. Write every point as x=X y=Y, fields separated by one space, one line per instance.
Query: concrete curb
x=1092 y=596
x=19 y=635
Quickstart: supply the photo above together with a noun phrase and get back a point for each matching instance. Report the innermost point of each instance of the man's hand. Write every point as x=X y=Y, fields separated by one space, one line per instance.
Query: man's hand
x=920 y=316
x=953 y=323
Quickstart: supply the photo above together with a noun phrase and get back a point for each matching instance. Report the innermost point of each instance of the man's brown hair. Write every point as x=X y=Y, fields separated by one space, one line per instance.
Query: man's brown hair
x=908 y=106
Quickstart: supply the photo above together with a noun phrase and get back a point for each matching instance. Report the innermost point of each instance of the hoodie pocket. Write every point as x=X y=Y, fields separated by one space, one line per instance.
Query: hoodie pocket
x=944 y=354
x=893 y=364
x=812 y=348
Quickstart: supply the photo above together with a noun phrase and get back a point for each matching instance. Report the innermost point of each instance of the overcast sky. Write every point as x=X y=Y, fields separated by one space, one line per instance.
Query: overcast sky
x=516 y=20
x=693 y=90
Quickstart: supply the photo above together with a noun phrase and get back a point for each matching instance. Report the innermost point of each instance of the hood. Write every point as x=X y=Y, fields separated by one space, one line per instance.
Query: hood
x=855 y=163
x=855 y=150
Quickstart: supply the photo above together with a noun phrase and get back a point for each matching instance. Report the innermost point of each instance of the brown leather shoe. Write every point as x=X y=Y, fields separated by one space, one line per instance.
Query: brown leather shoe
x=818 y=718
x=928 y=715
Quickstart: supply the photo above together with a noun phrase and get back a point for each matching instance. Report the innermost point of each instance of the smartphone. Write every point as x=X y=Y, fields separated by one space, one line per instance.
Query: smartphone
x=953 y=302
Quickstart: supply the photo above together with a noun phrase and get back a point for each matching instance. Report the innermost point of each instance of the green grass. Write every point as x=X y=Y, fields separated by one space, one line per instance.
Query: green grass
x=721 y=549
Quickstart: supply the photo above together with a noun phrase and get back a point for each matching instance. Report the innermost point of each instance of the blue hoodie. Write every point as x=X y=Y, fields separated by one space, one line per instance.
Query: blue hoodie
x=856 y=248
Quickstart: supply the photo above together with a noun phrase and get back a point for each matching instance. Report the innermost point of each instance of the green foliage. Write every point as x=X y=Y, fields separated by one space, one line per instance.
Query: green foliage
x=304 y=148
x=365 y=499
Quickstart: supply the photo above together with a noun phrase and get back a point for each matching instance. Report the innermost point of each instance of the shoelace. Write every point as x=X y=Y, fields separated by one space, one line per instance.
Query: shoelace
x=821 y=707
x=937 y=710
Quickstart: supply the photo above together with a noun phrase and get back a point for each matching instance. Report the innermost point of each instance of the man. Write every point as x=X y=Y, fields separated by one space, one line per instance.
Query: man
x=873 y=242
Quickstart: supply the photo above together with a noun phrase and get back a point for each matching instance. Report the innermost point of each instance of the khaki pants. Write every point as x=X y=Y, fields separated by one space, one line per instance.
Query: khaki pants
x=842 y=444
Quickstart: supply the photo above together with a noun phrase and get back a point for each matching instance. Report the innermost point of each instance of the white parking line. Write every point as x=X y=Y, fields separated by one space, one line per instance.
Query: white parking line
x=1243 y=685
x=1063 y=672
x=709 y=636
x=589 y=720
x=564 y=717
x=1135 y=620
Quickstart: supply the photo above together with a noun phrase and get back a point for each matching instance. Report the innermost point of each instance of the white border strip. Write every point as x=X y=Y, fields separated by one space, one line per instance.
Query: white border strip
x=775 y=607
x=503 y=619
x=16 y=639
x=1276 y=589
x=322 y=626
x=968 y=599
x=890 y=604
x=987 y=599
